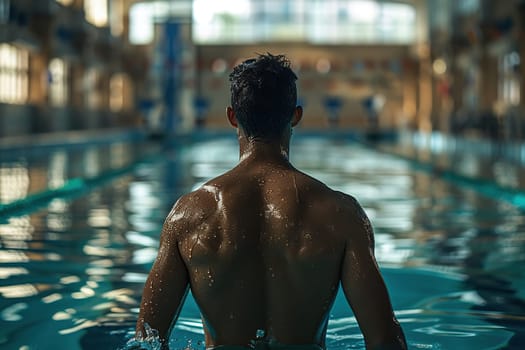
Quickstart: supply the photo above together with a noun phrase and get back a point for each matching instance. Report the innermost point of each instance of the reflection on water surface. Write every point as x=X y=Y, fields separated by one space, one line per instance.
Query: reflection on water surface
x=71 y=275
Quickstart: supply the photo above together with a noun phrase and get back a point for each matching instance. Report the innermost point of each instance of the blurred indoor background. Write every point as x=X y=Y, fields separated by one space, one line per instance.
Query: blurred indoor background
x=112 y=109
x=425 y=65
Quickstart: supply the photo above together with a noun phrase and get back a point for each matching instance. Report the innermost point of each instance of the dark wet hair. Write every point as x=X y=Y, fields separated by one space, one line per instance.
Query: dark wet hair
x=263 y=95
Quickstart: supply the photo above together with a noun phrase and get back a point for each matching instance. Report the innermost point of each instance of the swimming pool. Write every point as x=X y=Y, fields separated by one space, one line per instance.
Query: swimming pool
x=72 y=271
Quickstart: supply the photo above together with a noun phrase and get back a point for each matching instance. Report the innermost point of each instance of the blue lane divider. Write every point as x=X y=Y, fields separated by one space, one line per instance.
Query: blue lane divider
x=72 y=189
x=487 y=188
x=42 y=144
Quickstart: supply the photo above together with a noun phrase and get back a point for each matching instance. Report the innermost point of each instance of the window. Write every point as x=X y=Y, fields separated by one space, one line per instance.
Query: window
x=58 y=82
x=116 y=15
x=316 y=21
x=509 y=79
x=119 y=92
x=141 y=24
x=96 y=12
x=14 y=74
x=143 y=16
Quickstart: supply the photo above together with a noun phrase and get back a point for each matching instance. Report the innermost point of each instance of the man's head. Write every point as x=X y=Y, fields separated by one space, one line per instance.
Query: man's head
x=263 y=97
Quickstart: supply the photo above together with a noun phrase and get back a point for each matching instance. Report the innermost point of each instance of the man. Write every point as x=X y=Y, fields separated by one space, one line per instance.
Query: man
x=264 y=247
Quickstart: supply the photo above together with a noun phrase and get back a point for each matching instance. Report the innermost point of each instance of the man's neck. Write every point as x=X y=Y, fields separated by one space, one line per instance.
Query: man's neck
x=269 y=150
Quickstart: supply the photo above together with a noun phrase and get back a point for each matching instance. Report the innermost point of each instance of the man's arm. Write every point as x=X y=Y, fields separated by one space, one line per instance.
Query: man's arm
x=166 y=286
x=365 y=289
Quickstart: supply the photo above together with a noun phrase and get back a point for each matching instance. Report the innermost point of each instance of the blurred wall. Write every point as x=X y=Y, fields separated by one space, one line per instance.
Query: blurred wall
x=477 y=53
x=66 y=65
x=351 y=73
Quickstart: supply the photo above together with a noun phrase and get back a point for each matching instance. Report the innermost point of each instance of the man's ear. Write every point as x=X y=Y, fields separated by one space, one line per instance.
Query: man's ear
x=297 y=115
x=231 y=117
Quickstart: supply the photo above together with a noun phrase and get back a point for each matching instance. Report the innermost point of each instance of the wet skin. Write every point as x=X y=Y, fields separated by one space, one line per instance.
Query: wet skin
x=264 y=248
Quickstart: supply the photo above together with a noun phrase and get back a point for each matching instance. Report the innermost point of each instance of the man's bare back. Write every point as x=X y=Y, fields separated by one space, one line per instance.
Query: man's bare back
x=264 y=249
x=280 y=253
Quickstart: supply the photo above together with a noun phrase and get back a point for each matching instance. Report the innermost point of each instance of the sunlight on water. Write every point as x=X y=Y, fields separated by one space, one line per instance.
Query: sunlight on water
x=71 y=274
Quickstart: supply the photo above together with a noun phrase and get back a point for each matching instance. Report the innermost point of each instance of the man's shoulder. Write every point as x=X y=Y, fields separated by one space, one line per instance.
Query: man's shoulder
x=347 y=199
x=333 y=195
x=350 y=205
x=197 y=204
x=340 y=204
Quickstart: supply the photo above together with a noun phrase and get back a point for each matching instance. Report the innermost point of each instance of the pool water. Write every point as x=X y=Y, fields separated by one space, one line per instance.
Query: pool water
x=72 y=271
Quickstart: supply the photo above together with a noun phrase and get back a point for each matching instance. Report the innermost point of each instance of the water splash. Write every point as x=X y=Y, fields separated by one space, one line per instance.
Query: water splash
x=152 y=341
x=149 y=342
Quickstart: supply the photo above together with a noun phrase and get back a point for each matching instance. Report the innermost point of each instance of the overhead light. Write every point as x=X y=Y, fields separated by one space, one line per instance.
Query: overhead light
x=439 y=66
